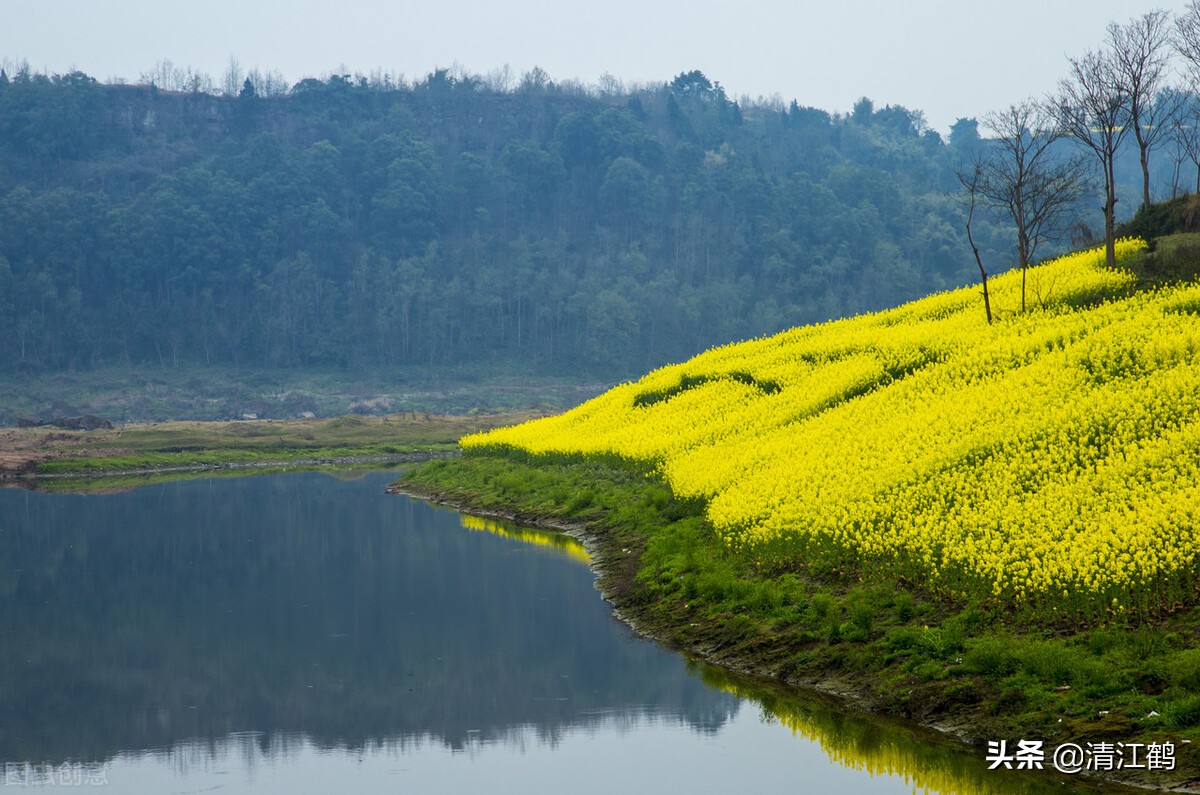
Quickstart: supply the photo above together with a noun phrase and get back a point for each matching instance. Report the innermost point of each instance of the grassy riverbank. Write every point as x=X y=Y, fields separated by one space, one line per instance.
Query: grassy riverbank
x=892 y=647
x=33 y=452
x=129 y=395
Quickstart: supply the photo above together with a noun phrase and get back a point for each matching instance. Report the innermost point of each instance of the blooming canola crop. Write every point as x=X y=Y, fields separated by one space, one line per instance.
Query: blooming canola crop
x=1050 y=459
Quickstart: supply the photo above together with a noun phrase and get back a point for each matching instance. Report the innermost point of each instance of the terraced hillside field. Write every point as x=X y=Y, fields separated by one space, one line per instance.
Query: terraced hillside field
x=1048 y=462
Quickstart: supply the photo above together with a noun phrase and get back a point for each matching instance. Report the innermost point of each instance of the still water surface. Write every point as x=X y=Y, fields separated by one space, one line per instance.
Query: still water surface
x=309 y=633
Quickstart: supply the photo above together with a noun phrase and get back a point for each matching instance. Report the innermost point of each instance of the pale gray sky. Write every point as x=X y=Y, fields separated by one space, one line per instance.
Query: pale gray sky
x=948 y=58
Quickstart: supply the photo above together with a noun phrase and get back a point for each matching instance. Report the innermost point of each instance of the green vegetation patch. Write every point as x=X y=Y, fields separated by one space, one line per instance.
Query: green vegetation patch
x=112 y=484
x=905 y=651
x=227 y=456
x=189 y=445
x=1171 y=260
x=650 y=397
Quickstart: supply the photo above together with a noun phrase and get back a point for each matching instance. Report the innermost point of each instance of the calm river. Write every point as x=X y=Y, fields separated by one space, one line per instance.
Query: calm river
x=309 y=633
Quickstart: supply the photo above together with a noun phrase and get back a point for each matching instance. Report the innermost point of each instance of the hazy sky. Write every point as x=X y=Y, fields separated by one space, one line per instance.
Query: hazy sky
x=948 y=58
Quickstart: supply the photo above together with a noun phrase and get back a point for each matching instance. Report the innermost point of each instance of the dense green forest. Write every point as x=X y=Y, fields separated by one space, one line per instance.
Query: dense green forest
x=364 y=224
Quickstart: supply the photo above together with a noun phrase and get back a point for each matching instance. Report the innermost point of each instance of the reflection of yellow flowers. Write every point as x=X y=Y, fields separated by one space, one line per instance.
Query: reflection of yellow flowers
x=546 y=538
x=879 y=750
x=1054 y=452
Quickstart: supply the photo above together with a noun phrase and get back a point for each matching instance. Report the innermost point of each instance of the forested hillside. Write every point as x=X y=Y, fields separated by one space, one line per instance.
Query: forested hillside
x=364 y=224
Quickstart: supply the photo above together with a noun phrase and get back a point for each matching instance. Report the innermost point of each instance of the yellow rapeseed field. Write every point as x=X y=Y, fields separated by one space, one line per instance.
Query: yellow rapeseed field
x=1051 y=459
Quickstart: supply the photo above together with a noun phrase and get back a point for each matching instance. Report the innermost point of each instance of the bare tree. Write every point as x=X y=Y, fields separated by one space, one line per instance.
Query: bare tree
x=270 y=83
x=1178 y=153
x=1186 y=135
x=231 y=81
x=500 y=80
x=166 y=76
x=1093 y=109
x=1141 y=52
x=1187 y=44
x=972 y=179
x=610 y=86
x=1187 y=36
x=1026 y=177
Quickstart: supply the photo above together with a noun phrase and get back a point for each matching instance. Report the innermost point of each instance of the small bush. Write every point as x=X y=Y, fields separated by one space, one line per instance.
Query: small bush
x=1011 y=699
x=714 y=586
x=1148 y=643
x=766 y=599
x=904 y=606
x=902 y=639
x=993 y=657
x=820 y=604
x=1183 y=669
x=735 y=630
x=863 y=615
x=854 y=632
x=1182 y=714
x=581 y=501
x=1151 y=679
x=1157 y=220
x=1101 y=641
x=1059 y=665
x=940 y=643
x=930 y=669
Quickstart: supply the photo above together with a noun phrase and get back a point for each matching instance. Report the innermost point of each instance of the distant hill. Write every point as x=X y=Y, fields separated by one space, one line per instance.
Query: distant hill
x=356 y=224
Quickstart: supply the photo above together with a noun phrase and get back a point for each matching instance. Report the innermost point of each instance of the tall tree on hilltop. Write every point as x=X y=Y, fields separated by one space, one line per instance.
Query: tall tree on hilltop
x=1187 y=44
x=964 y=136
x=1140 y=52
x=1092 y=107
x=1187 y=38
x=1021 y=176
x=972 y=180
x=1185 y=133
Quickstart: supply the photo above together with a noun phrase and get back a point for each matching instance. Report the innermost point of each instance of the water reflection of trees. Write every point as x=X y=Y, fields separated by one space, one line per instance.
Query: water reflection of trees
x=301 y=606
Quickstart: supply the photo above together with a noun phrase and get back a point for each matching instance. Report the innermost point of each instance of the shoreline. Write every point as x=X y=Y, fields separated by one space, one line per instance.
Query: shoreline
x=608 y=565
x=612 y=569
x=616 y=563
x=296 y=463
x=47 y=453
